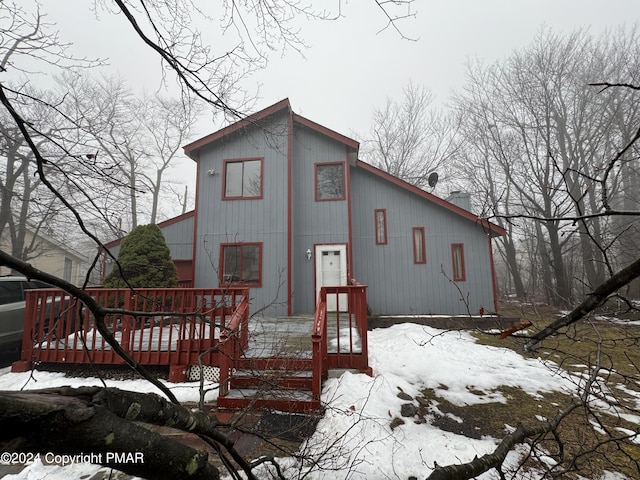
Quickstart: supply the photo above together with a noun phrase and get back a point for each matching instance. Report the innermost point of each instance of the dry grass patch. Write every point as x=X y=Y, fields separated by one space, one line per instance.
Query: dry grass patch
x=585 y=435
x=581 y=445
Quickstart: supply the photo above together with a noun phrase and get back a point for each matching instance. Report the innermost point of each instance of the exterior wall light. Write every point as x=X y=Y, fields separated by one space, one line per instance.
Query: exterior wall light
x=308 y=254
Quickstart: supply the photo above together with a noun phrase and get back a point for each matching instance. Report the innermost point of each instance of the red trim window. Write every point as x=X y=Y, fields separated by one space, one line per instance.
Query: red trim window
x=419 y=248
x=242 y=179
x=380 y=216
x=241 y=264
x=457 y=257
x=329 y=181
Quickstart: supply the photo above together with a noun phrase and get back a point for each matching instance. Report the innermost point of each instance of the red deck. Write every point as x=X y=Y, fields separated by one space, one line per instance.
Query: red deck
x=176 y=327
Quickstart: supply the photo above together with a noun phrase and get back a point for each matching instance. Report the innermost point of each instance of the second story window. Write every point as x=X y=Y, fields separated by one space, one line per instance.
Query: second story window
x=243 y=179
x=330 y=181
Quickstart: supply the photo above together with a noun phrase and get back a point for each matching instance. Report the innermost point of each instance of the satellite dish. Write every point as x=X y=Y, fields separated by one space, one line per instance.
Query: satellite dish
x=433 y=179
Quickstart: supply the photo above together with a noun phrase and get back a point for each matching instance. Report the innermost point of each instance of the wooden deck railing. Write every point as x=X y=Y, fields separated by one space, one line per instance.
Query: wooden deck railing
x=234 y=341
x=339 y=338
x=184 y=326
x=172 y=327
x=319 y=347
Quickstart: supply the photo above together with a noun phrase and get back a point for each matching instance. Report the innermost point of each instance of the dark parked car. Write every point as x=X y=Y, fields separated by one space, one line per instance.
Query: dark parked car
x=12 y=307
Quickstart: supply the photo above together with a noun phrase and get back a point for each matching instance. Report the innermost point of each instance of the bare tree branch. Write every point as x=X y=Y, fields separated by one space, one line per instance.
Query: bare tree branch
x=594 y=300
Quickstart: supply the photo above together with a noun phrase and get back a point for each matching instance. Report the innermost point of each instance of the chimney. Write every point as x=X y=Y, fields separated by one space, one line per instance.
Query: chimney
x=460 y=199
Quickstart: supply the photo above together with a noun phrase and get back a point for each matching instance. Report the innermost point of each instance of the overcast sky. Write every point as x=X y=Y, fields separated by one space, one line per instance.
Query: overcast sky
x=350 y=66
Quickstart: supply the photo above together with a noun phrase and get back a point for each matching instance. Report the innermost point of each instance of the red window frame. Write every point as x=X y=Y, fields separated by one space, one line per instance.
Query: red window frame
x=457 y=262
x=224 y=179
x=221 y=269
x=380 y=225
x=419 y=250
x=315 y=182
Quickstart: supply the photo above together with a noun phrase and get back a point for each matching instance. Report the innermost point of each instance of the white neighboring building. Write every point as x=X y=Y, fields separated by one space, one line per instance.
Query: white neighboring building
x=53 y=257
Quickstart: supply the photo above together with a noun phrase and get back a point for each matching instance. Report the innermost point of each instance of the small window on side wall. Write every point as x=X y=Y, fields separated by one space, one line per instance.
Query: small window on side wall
x=242 y=179
x=330 y=181
x=457 y=257
x=380 y=216
x=419 y=249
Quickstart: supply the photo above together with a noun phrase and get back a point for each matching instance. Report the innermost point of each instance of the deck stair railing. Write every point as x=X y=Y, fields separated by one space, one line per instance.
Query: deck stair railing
x=339 y=341
x=346 y=327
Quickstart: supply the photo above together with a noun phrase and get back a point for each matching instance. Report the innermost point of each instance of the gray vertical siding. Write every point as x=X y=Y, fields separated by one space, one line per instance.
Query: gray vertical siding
x=179 y=237
x=395 y=284
x=260 y=220
x=313 y=222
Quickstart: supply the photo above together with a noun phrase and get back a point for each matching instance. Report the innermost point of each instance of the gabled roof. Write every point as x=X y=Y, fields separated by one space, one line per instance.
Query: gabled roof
x=495 y=230
x=38 y=233
x=192 y=148
x=255 y=119
x=166 y=223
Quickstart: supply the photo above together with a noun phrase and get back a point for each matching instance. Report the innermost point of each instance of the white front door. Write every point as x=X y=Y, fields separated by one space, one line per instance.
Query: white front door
x=331 y=271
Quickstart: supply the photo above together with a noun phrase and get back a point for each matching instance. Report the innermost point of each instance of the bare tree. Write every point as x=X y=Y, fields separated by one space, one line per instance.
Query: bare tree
x=541 y=130
x=409 y=139
x=78 y=176
x=86 y=417
x=595 y=397
x=139 y=136
x=551 y=145
x=167 y=124
x=24 y=202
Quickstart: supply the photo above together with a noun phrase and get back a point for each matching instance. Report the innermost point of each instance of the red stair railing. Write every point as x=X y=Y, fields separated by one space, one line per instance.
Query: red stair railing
x=319 y=346
x=234 y=340
x=346 y=326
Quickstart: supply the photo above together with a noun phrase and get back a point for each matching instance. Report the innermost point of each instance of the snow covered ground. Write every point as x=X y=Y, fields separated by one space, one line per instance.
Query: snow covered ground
x=356 y=427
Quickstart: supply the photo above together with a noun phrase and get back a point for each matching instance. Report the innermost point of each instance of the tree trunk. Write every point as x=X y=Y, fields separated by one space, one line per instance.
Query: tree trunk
x=514 y=268
x=562 y=293
x=133 y=199
x=544 y=265
x=629 y=227
x=101 y=422
x=593 y=301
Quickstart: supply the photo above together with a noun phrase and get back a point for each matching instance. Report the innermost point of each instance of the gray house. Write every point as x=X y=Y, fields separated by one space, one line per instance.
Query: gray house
x=284 y=206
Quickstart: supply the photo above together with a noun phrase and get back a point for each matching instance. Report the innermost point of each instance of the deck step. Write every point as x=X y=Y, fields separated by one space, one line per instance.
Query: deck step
x=278 y=383
x=265 y=380
x=286 y=400
x=285 y=364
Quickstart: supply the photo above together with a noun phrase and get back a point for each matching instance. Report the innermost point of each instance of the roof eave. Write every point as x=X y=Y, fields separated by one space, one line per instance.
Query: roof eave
x=326 y=131
x=191 y=149
x=494 y=230
x=164 y=223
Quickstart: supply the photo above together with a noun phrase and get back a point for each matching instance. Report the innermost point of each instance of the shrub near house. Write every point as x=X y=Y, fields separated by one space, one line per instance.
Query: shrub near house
x=144 y=261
